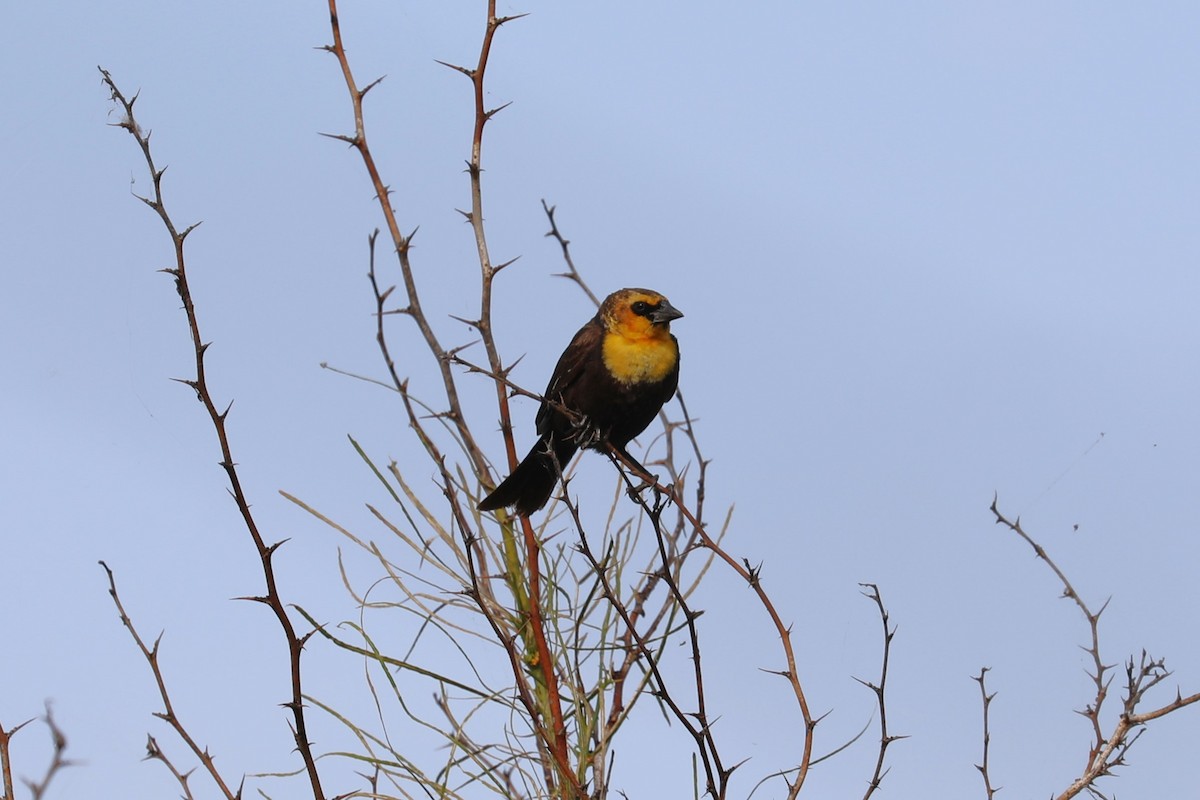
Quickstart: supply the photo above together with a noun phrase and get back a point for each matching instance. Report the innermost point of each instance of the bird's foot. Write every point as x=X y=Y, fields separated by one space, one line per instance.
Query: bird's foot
x=648 y=482
x=584 y=432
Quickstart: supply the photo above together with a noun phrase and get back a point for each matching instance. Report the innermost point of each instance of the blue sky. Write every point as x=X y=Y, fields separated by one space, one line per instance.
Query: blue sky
x=927 y=252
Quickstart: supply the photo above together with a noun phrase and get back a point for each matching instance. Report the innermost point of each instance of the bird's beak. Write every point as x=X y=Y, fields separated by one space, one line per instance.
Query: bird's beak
x=665 y=313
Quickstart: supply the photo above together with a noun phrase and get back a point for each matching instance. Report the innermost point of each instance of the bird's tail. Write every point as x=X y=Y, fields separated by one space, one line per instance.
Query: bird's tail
x=529 y=486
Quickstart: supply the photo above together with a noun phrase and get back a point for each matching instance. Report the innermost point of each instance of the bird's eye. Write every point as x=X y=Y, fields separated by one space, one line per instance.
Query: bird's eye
x=641 y=308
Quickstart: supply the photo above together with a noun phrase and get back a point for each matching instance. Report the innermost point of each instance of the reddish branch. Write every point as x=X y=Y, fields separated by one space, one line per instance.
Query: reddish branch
x=401 y=242
x=545 y=663
x=556 y=737
x=6 y=778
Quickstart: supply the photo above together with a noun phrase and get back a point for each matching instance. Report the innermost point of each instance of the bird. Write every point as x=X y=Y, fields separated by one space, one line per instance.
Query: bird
x=609 y=384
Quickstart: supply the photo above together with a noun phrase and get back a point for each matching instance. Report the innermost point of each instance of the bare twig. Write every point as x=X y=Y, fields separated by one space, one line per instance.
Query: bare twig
x=571 y=274
x=400 y=242
x=155 y=753
x=871 y=591
x=985 y=767
x=167 y=715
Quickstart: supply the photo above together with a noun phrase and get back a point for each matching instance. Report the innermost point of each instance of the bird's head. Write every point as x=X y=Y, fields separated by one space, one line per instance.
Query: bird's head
x=638 y=314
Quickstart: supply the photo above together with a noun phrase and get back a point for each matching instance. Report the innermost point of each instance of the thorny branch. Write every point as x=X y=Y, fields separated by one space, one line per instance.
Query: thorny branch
x=168 y=714
x=155 y=753
x=199 y=384
x=532 y=557
x=547 y=707
x=571 y=274
x=985 y=766
x=546 y=673
x=871 y=591
x=401 y=243
x=716 y=776
x=752 y=576
x=1107 y=751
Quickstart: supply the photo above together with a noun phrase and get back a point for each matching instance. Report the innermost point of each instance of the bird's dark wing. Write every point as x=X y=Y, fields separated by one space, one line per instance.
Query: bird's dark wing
x=580 y=355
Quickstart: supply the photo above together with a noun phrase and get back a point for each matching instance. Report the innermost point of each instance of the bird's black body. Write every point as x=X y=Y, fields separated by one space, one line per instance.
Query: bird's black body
x=614 y=377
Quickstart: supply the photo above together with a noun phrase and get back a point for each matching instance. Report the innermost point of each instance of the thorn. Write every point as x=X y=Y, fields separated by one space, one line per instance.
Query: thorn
x=350 y=140
x=501 y=20
x=363 y=91
x=487 y=115
x=499 y=267
x=470 y=73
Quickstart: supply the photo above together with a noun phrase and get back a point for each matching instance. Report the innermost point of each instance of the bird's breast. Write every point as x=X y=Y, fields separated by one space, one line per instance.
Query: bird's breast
x=633 y=361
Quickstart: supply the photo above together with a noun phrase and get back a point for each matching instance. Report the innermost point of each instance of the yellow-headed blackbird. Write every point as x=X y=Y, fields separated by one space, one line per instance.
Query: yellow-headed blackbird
x=614 y=376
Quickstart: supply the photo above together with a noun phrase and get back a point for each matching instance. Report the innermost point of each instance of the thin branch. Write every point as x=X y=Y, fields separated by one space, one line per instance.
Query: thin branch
x=571 y=274
x=218 y=417
x=167 y=715
x=752 y=576
x=543 y=669
x=695 y=724
x=155 y=753
x=401 y=243
x=985 y=767
x=1107 y=751
x=699 y=536
x=871 y=592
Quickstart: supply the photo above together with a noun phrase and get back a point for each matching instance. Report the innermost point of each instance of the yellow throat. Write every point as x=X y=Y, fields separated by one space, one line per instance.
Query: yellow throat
x=645 y=359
